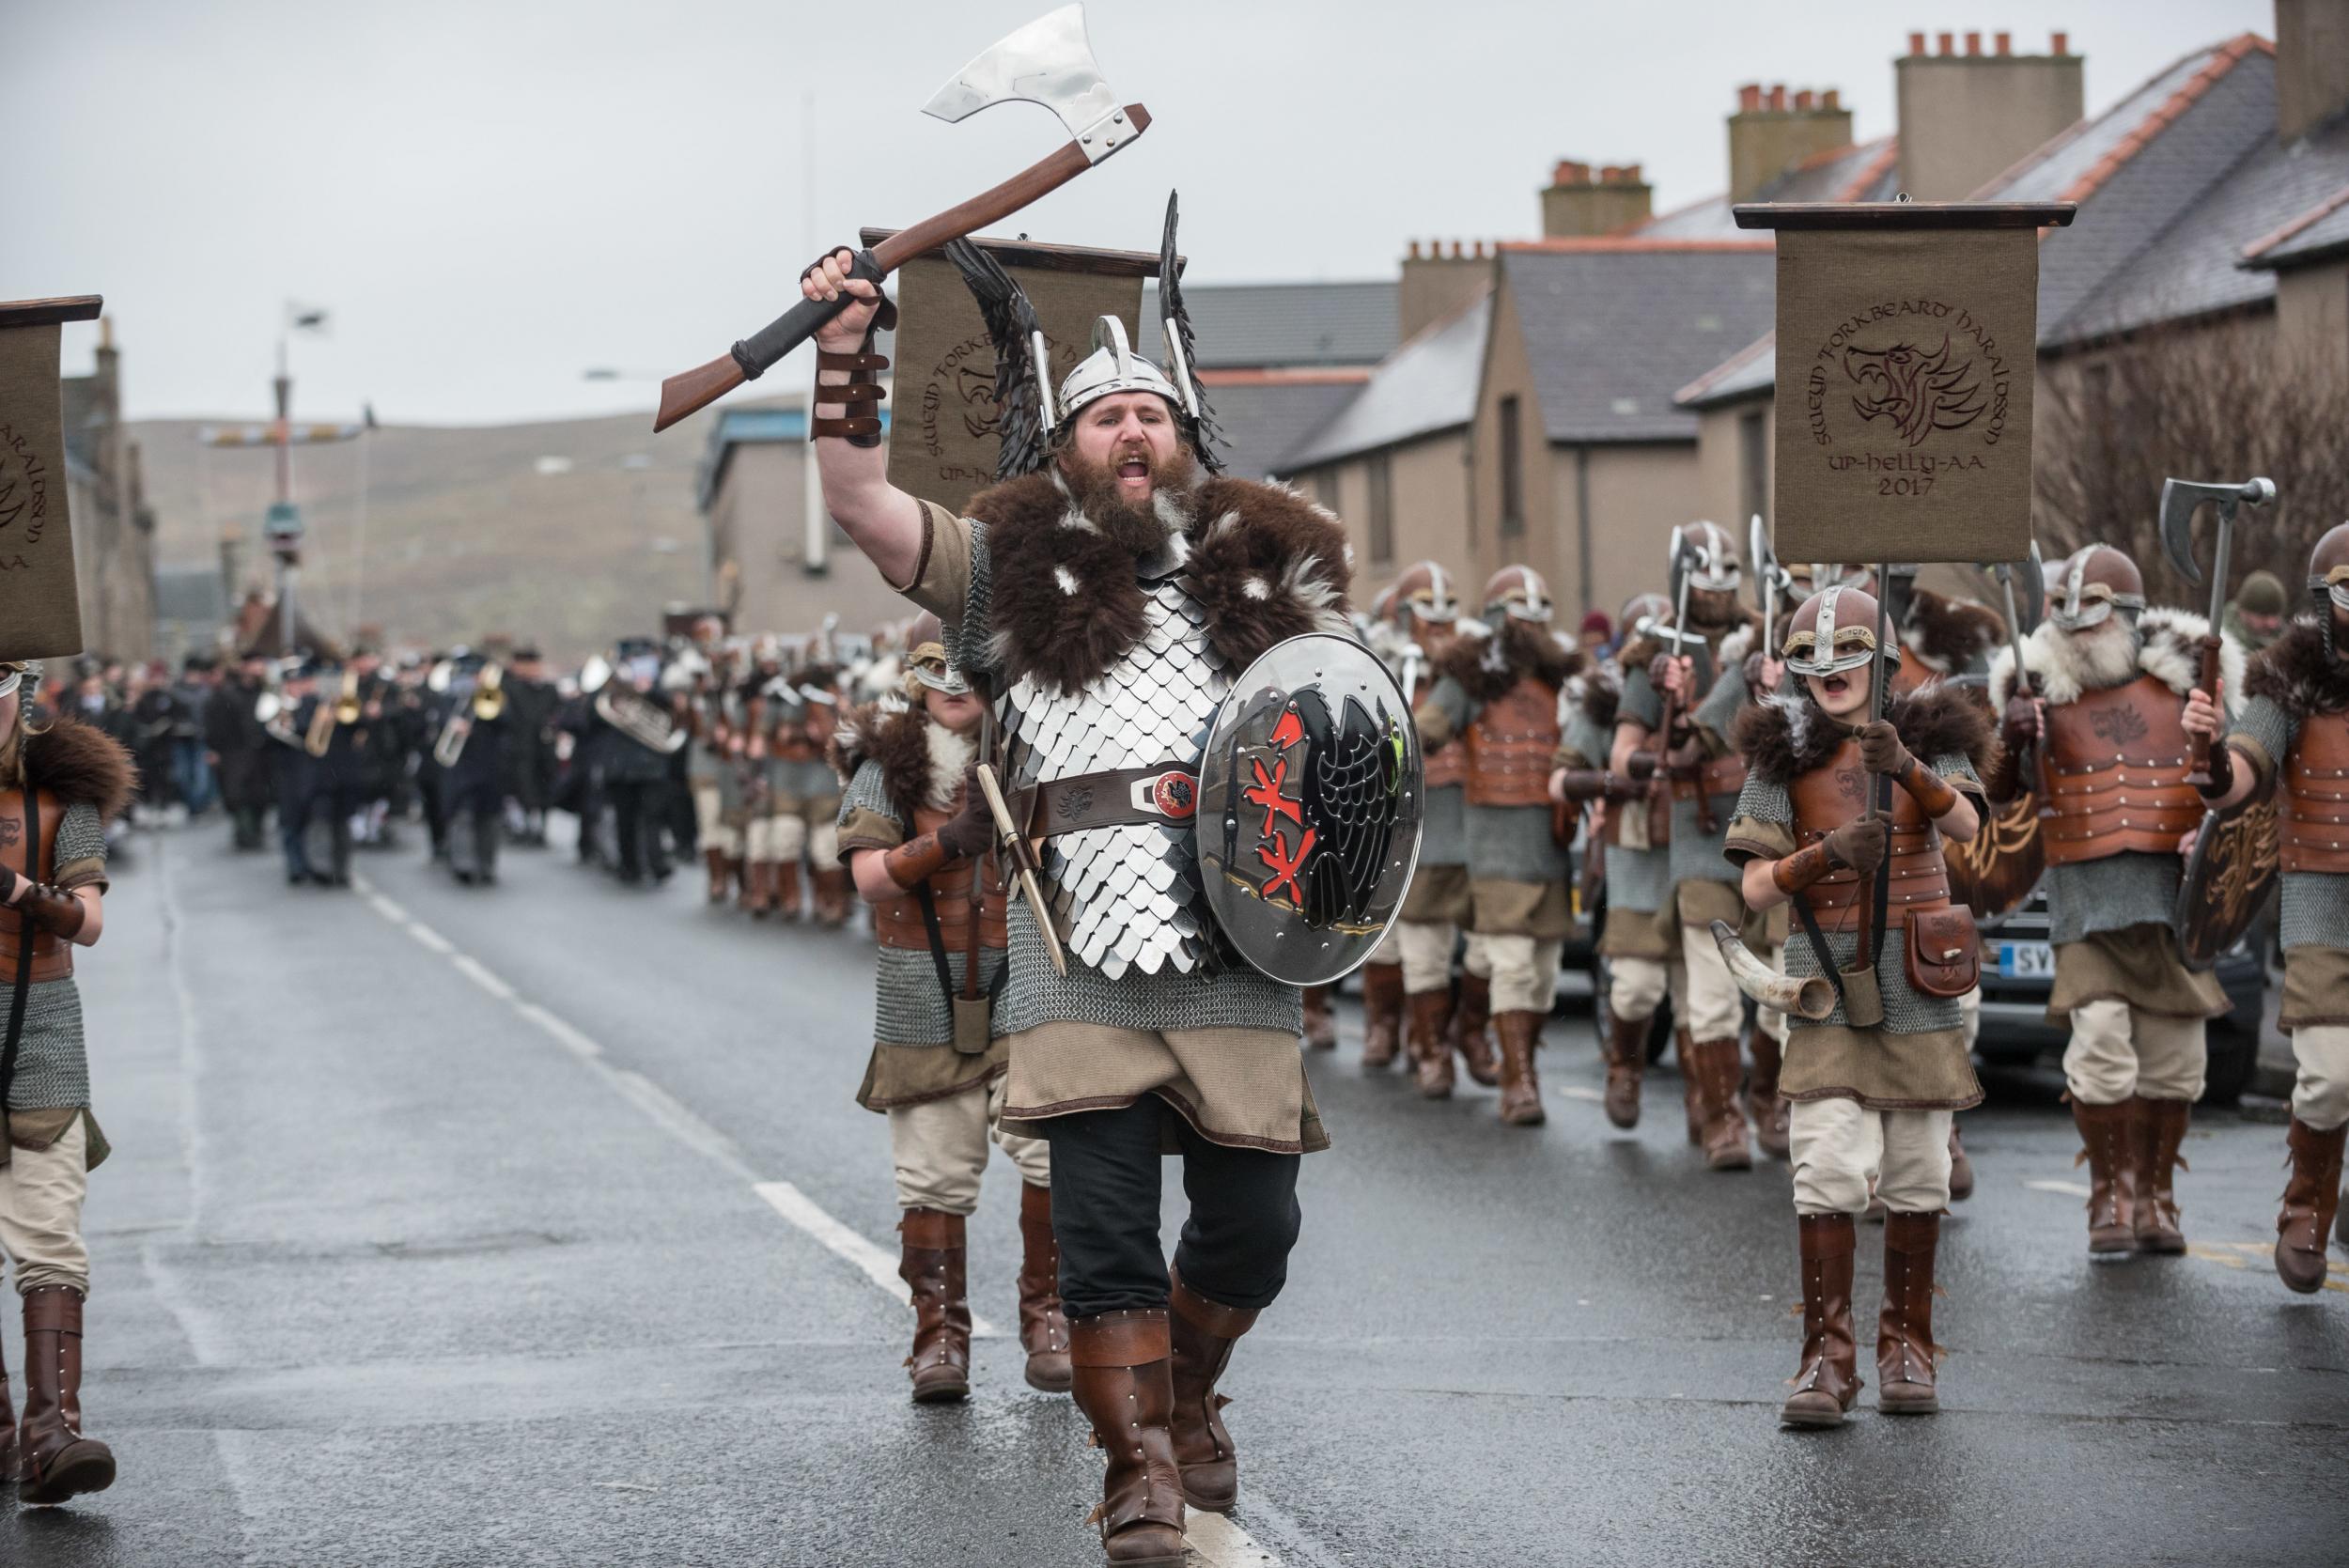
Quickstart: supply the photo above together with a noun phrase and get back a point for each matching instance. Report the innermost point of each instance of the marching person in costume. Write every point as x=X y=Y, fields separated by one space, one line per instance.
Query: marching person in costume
x=1109 y=594
x=802 y=796
x=1873 y=1084
x=2106 y=732
x=471 y=731
x=1699 y=685
x=914 y=835
x=1440 y=906
x=713 y=774
x=1382 y=976
x=1498 y=697
x=2292 y=741
x=59 y=786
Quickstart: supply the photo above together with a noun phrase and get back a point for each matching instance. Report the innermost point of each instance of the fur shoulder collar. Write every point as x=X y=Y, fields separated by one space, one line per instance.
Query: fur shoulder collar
x=1601 y=697
x=1785 y=735
x=920 y=763
x=2297 y=674
x=1945 y=634
x=82 y=766
x=1487 y=667
x=1265 y=563
x=2167 y=645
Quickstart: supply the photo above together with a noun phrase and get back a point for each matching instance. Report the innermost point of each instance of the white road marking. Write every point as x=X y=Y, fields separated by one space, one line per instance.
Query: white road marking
x=2069 y=1189
x=672 y=1115
x=1576 y=1092
x=1218 y=1542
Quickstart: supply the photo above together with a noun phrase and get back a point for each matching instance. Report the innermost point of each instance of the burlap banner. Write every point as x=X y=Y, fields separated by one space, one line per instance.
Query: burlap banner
x=40 y=612
x=1908 y=340
x=942 y=431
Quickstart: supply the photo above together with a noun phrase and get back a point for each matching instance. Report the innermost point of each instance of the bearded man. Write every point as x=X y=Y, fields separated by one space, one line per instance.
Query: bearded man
x=1110 y=600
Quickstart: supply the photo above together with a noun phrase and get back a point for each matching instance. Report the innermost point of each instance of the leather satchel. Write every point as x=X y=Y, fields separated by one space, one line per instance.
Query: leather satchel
x=1942 y=955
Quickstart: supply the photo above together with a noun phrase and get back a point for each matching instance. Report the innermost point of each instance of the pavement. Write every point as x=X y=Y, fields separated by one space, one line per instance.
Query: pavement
x=535 y=1225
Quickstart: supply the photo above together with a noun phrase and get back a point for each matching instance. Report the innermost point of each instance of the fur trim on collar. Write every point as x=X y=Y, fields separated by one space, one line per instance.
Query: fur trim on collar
x=1945 y=635
x=1265 y=564
x=1787 y=735
x=922 y=762
x=2297 y=674
x=82 y=766
x=1601 y=693
x=2165 y=645
x=1489 y=668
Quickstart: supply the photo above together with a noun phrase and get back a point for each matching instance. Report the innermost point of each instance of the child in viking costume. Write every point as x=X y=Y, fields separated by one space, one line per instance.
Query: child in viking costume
x=2106 y=731
x=1382 y=976
x=914 y=834
x=59 y=786
x=1700 y=683
x=2292 y=741
x=1871 y=1085
x=1499 y=696
x=1108 y=593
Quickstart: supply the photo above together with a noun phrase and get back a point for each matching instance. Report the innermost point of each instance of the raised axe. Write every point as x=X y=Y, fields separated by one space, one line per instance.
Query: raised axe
x=2180 y=500
x=1659 y=810
x=1766 y=579
x=1049 y=61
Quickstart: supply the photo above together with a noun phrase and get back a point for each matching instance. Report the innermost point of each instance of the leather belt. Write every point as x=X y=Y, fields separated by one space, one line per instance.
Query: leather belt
x=1167 y=792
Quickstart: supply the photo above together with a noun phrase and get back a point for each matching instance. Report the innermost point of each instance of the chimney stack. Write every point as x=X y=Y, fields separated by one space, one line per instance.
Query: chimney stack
x=1577 y=206
x=1767 y=137
x=2312 y=63
x=1435 y=284
x=1967 y=118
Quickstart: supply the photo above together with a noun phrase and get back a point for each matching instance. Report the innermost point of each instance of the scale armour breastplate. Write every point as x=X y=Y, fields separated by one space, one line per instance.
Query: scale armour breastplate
x=1127 y=898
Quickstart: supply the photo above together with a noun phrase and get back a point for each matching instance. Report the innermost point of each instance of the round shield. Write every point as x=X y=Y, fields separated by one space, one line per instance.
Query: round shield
x=2228 y=880
x=1309 y=809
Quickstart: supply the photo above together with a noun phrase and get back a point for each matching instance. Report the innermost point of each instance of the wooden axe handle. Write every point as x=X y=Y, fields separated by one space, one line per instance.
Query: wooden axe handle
x=2198 y=773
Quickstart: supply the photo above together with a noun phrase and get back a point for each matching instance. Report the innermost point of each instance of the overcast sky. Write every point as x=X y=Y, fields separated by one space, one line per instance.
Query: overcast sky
x=493 y=196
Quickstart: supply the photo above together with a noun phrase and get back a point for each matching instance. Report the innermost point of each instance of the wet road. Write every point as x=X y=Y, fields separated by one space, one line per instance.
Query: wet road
x=522 y=1226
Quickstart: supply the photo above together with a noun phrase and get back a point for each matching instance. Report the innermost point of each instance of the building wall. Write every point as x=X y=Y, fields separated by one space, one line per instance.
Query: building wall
x=2312 y=315
x=1727 y=488
x=1428 y=480
x=114 y=533
x=757 y=520
x=1967 y=118
x=1508 y=374
x=1637 y=494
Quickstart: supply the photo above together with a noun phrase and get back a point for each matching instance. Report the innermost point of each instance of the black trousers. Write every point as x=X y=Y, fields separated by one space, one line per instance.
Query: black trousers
x=1235 y=1246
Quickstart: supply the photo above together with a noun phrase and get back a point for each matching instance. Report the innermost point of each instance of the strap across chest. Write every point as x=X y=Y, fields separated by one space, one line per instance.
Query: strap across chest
x=1836 y=792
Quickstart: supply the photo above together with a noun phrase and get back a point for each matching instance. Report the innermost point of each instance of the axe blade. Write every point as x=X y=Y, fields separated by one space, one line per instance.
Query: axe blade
x=1050 y=62
x=2035 y=589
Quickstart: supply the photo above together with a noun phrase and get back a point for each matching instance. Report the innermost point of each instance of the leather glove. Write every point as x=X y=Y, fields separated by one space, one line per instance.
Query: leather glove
x=1880 y=749
x=1859 y=845
x=971 y=831
x=2019 y=727
x=8 y=880
x=1753 y=674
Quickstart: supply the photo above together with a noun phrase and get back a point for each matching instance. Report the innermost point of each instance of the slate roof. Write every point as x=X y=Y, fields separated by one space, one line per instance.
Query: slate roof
x=1263 y=415
x=1613 y=327
x=1751 y=369
x=1427 y=385
x=2315 y=234
x=1869 y=171
x=1259 y=324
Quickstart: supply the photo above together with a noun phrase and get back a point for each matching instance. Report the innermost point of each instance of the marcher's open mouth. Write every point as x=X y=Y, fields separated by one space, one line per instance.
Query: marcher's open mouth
x=1836 y=684
x=1133 y=468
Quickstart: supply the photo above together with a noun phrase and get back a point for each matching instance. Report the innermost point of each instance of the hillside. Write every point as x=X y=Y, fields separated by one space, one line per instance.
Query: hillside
x=573 y=532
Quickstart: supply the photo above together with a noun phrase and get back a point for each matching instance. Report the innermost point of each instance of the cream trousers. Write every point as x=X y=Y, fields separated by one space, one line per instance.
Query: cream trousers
x=2117 y=1051
x=1637 y=986
x=1717 y=1009
x=941 y=1150
x=1838 y=1144
x=2321 y=1097
x=714 y=833
x=1524 y=972
x=40 y=1212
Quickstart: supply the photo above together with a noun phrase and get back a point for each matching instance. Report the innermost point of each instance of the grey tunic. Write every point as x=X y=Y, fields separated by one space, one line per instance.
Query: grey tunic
x=1443 y=832
x=2314 y=904
x=51 y=1067
x=1505 y=844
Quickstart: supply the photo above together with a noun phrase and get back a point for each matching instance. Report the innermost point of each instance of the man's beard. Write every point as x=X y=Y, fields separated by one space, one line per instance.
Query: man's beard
x=1140 y=529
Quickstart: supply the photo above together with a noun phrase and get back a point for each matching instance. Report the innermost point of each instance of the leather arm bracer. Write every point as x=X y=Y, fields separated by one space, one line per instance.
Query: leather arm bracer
x=914 y=862
x=1588 y=783
x=54 y=909
x=1929 y=789
x=1791 y=873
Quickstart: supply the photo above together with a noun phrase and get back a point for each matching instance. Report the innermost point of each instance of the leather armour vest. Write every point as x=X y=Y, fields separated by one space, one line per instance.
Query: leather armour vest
x=2116 y=774
x=1511 y=744
x=898 y=922
x=1448 y=767
x=2314 y=825
x=53 y=955
x=1127 y=897
x=1836 y=792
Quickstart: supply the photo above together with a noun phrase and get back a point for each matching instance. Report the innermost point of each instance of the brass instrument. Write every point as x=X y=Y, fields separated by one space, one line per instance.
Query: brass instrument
x=489 y=695
x=276 y=716
x=639 y=717
x=343 y=709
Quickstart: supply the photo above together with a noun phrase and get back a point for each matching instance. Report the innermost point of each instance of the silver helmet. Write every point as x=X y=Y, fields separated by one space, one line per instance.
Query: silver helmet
x=1114 y=367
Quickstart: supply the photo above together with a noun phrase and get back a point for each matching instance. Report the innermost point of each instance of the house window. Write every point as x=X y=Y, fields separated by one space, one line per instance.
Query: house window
x=1381 y=509
x=1512 y=471
x=1753 y=463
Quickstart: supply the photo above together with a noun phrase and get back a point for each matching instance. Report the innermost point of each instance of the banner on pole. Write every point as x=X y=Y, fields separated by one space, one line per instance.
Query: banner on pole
x=40 y=606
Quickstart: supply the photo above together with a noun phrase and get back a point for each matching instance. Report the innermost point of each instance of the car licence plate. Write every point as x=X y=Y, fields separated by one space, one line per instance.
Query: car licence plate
x=2027 y=960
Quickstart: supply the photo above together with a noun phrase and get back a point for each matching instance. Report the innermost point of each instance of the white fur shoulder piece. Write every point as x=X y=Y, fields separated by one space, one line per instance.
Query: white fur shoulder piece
x=2166 y=644
x=950 y=757
x=1736 y=645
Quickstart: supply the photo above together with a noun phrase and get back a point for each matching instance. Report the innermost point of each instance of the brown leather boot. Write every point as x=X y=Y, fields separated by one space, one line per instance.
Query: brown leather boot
x=1382 y=1012
x=1906 y=1353
x=1772 y=1122
x=1202 y=1333
x=2310 y=1200
x=2109 y=1140
x=7 y=1427
x=1043 y=1331
x=1627 y=1065
x=715 y=861
x=758 y=885
x=1961 y=1169
x=1321 y=1029
x=782 y=888
x=1726 y=1147
x=1431 y=1053
x=1520 y=1087
x=1470 y=1032
x=54 y=1462
x=2160 y=1129
x=1123 y=1383
x=1829 y=1380
x=832 y=896
x=933 y=1266
x=1686 y=1053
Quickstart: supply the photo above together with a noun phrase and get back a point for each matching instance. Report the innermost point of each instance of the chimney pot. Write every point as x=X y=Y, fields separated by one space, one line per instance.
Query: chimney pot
x=1831 y=99
x=1480 y=250
x=1631 y=173
x=1414 y=251
x=1948 y=42
x=1778 y=97
x=2002 y=42
x=1803 y=99
x=1973 y=43
x=1916 y=43
x=2060 y=44
x=1749 y=98
x=1455 y=250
